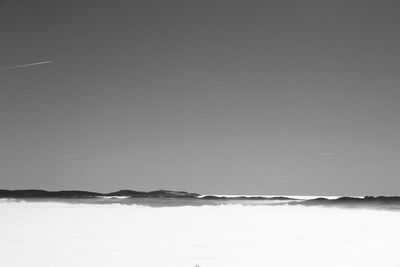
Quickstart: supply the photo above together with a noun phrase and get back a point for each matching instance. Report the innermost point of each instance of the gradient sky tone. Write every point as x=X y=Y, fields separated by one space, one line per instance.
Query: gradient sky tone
x=217 y=97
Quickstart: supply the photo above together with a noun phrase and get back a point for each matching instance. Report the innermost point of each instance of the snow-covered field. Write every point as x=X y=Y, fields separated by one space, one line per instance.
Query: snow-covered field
x=59 y=234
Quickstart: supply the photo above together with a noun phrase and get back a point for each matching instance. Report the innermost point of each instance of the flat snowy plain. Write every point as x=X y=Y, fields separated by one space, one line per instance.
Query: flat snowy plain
x=64 y=235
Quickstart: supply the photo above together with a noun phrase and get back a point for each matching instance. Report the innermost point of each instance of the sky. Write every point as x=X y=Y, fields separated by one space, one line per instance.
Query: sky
x=215 y=97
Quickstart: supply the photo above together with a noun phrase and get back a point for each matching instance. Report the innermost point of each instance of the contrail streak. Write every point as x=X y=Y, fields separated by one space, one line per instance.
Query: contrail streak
x=26 y=65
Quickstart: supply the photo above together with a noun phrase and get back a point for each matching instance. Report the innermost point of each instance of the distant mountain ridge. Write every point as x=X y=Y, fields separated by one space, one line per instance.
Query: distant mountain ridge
x=34 y=193
x=367 y=201
x=391 y=202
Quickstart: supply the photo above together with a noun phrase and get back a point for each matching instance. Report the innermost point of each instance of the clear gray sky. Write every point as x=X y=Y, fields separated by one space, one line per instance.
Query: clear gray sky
x=229 y=97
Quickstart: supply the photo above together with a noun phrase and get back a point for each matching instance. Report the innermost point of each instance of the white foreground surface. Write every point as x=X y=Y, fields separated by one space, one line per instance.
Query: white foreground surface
x=58 y=235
